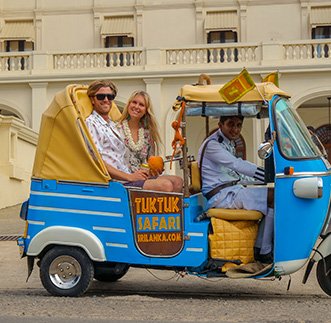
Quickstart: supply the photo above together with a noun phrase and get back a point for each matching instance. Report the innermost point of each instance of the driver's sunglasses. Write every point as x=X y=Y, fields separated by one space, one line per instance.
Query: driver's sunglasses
x=102 y=96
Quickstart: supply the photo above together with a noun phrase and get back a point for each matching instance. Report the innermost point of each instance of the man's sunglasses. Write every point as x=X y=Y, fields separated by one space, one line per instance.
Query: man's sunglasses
x=102 y=96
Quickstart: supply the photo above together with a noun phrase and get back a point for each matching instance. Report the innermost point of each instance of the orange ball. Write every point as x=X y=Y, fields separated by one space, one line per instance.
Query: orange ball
x=156 y=164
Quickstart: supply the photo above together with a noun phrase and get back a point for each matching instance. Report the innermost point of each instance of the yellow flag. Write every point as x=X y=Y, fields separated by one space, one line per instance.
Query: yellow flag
x=237 y=87
x=272 y=77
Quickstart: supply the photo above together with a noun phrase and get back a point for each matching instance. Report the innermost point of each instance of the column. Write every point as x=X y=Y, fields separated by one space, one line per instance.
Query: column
x=139 y=25
x=305 y=26
x=199 y=27
x=39 y=103
x=38 y=41
x=97 y=29
x=243 y=23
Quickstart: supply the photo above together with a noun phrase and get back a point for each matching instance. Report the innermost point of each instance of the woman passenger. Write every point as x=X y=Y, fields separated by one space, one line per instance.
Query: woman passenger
x=141 y=136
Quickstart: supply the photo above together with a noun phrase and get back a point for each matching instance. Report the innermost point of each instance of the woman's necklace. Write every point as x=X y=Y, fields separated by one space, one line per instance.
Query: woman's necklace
x=132 y=145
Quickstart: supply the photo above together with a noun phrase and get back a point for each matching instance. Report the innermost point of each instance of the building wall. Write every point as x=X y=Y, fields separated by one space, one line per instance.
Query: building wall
x=60 y=31
x=273 y=22
x=169 y=36
x=18 y=144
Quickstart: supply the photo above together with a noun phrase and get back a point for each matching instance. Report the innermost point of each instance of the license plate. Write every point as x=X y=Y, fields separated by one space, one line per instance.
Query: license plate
x=20 y=243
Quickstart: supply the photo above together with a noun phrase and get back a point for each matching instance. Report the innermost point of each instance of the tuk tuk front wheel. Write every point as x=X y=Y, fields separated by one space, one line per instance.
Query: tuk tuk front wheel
x=323 y=273
x=66 y=271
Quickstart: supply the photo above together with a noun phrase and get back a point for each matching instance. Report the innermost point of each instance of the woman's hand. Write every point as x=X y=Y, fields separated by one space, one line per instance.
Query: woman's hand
x=154 y=172
x=139 y=175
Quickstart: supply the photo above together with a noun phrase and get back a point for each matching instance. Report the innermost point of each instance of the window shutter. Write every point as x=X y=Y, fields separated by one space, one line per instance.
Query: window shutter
x=320 y=16
x=221 y=20
x=18 y=30
x=118 y=26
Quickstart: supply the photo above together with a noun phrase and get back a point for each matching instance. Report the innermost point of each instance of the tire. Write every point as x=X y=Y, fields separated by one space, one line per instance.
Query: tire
x=66 y=271
x=110 y=273
x=323 y=273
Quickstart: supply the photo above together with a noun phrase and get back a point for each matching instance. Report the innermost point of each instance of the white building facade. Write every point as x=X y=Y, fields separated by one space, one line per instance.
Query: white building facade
x=157 y=46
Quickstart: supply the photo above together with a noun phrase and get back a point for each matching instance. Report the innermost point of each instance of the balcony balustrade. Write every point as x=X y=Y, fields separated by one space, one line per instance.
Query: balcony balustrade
x=124 y=57
x=213 y=54
x=132 y=59
x=17 y=61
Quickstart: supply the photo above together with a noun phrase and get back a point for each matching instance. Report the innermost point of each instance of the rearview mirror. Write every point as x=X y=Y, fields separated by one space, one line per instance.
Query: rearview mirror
x=265 y=150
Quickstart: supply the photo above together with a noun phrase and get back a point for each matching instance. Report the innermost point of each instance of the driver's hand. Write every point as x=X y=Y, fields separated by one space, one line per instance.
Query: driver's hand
x=273 y=137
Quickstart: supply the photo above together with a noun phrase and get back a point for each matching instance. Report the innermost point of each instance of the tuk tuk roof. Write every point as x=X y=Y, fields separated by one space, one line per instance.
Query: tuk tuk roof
x=65 y=149
x=210 y=93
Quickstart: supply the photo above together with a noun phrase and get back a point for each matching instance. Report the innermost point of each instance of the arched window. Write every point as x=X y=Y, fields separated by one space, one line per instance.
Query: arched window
x=324 y=135
x=240 y=147
x=5 y=112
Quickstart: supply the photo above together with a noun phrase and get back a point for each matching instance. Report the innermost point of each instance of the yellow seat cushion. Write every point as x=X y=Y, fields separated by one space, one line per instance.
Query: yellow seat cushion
x=234 y=214
x=195 y=177
x=232 y=240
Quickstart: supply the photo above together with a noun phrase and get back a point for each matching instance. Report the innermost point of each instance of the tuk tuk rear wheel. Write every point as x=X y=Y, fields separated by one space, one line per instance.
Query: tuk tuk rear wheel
x=110 y=273
x=323 y=273
x=66 y=271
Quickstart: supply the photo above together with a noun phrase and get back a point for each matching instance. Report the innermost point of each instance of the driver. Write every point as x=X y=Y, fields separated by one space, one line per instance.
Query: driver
x=223 y=178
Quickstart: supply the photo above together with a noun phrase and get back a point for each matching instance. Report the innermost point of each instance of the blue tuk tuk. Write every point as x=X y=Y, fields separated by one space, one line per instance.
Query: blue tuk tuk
x=82 y=225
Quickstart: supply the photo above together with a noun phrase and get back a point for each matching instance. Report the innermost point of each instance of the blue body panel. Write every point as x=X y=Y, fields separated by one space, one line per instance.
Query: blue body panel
x=104 y=210
x=298 y=221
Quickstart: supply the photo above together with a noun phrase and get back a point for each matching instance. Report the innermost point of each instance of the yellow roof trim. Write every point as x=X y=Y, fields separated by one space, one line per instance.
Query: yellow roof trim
x=210 y=93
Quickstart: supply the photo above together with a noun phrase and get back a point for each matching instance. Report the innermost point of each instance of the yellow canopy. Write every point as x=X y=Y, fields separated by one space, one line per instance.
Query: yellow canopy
x=210 y=93
x=65 y=149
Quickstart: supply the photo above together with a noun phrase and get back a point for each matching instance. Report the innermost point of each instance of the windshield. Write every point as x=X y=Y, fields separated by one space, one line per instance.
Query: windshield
x=293 y=137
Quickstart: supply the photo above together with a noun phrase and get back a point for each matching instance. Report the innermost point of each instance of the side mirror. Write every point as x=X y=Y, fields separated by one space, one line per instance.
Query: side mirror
x=265 y=150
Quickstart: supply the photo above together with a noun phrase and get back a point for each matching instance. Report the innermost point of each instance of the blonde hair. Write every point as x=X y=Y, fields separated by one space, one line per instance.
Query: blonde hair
x=148 y=121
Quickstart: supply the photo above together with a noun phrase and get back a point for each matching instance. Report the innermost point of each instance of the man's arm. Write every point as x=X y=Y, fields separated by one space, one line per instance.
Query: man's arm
x=219 y=155
x=117 y=174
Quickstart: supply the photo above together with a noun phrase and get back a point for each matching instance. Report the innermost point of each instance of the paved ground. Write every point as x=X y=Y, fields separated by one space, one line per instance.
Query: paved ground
x=10 y=222
x=153 y=295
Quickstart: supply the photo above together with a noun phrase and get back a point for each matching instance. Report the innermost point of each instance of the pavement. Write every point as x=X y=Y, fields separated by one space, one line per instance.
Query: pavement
x=10 y=221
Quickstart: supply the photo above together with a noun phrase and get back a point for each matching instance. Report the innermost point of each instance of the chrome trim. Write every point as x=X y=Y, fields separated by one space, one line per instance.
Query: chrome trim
x=195 y=234
x=77 y=196
x=54 y=209
x=36 y=222
x=134 y=188
x=288 y=267
x=301 y=174
x=327 y=222
x=117 y=245
x=109 y=229
x=194 y=249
